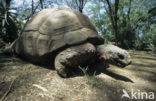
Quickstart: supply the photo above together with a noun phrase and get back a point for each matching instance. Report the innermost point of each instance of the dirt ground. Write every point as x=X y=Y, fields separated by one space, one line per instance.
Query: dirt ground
x=23 y=81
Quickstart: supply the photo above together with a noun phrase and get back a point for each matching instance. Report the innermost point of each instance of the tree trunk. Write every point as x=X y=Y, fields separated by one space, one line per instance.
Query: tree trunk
x=114 y=18
x=116 y=21
x=41 y=2
x=81 y=10
x=32 y=7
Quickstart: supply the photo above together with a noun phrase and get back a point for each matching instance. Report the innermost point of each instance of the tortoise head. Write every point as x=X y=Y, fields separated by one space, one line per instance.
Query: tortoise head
x=114 y=55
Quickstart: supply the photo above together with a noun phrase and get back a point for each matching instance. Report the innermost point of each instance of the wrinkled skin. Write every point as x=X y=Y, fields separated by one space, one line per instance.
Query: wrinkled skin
x=113 y=55
x=73 y=57
x=86 y=54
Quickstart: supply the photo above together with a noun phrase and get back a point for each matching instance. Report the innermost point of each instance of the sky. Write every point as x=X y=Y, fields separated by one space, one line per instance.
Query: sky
x=86 y=9
x=19 y=3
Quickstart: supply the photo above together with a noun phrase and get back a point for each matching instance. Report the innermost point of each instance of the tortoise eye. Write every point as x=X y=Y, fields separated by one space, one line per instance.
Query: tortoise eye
x=121 y=56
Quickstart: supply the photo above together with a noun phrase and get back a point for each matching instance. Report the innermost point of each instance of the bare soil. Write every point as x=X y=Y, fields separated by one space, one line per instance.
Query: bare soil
x=23 y=81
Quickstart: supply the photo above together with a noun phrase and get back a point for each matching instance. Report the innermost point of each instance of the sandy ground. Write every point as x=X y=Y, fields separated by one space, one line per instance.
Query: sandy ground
x=23 y=81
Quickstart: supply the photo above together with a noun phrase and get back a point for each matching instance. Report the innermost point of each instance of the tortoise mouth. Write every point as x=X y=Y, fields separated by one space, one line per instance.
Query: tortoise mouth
x=115 y=62
x=119 y=63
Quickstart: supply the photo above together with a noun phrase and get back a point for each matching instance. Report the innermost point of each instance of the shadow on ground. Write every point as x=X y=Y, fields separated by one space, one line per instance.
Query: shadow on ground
x=23 y=81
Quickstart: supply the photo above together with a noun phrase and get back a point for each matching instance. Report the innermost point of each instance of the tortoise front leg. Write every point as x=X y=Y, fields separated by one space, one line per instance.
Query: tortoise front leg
x=61 y=70
x=73 y=57
x=63 y=62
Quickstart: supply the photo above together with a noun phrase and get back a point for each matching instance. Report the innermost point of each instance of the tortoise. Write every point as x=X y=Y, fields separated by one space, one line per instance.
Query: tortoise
x=66 y=39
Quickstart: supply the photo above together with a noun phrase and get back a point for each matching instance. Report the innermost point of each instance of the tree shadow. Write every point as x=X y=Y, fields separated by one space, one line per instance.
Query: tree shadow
x=145 y=66
x=7 y=62
x=147 y=58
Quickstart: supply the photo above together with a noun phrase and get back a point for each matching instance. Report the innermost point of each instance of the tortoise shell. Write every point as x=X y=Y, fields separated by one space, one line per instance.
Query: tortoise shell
x=53 y=30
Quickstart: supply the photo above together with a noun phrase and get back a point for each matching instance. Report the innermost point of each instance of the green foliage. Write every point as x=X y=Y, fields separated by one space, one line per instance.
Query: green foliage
x=10 y=26
x=8 y=22
x=135 y=19
x=152 y=43
x=101 y=21
x=147 y=40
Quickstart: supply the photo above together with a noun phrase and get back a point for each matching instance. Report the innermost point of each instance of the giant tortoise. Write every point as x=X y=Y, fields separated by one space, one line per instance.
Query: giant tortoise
x=67 y=39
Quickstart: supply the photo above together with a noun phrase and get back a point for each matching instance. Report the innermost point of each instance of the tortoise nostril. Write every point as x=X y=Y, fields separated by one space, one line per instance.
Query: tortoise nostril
x=121 y=56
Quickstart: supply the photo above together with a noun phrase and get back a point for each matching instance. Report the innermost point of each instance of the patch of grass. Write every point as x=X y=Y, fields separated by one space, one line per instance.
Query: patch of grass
x=92 y=80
